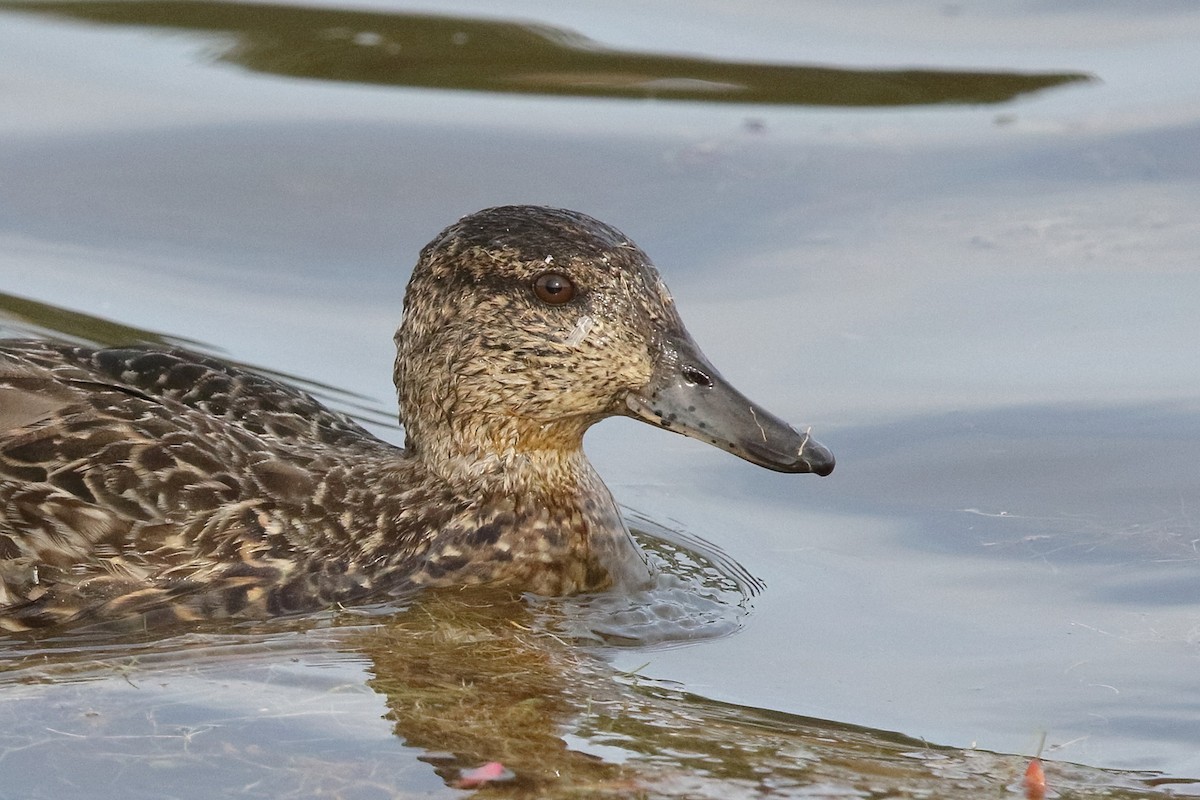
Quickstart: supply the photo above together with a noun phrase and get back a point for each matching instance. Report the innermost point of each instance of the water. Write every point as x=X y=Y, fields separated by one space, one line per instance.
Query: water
x=984 y=306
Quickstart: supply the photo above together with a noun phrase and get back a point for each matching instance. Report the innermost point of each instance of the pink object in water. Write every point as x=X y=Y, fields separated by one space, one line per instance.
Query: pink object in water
x=474 y=778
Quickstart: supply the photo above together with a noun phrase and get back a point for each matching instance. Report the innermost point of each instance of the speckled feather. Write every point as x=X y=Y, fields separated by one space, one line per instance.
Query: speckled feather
x=148 y=484
x=143 y=481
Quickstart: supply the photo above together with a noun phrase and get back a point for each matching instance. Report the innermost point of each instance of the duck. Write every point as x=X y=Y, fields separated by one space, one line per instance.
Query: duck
x=159 y=484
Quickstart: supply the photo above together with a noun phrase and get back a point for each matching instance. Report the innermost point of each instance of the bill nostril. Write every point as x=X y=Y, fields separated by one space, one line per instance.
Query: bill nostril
x=696 y=377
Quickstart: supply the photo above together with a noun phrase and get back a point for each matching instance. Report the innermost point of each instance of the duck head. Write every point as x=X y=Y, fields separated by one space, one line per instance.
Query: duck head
x=524 y=325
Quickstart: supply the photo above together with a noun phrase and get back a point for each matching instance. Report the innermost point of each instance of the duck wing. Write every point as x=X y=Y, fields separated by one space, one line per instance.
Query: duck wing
x=224 y=391
x=132 y=477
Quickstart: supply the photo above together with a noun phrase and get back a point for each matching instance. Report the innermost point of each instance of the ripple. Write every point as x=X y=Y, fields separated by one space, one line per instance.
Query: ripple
x=698 y=592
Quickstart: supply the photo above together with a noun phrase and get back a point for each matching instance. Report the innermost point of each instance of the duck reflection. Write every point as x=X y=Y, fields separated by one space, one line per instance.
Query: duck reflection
x=464 y=678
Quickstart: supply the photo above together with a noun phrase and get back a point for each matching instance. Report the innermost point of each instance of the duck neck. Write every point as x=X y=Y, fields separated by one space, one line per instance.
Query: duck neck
x=506 y=456
x=561 y=530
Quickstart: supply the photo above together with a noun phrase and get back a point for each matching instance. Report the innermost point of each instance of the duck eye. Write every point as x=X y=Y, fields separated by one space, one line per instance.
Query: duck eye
x=554 y=288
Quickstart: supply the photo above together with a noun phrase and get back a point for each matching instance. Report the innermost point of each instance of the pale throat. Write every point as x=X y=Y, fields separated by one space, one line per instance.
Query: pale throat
x=510 y=455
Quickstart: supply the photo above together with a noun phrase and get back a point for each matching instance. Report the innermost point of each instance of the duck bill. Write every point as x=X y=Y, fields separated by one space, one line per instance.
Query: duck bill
x=687 y=395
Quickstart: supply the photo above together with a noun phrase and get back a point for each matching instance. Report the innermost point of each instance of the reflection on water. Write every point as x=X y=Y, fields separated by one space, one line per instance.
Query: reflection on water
x=293 y=709
x=462 y=53
x=23 y=317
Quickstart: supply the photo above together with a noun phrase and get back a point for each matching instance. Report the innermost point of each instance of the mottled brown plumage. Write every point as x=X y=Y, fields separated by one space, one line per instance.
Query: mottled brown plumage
x=166 y=484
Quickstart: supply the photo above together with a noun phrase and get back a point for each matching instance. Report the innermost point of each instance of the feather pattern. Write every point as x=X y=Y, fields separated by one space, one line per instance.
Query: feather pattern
x=159 y=484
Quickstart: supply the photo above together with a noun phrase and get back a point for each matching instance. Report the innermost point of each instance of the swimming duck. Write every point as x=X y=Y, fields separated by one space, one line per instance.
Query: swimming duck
x=163 y=484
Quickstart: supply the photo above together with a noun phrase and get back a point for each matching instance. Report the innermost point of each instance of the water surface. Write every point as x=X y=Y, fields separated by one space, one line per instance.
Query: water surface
x=980 y=293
